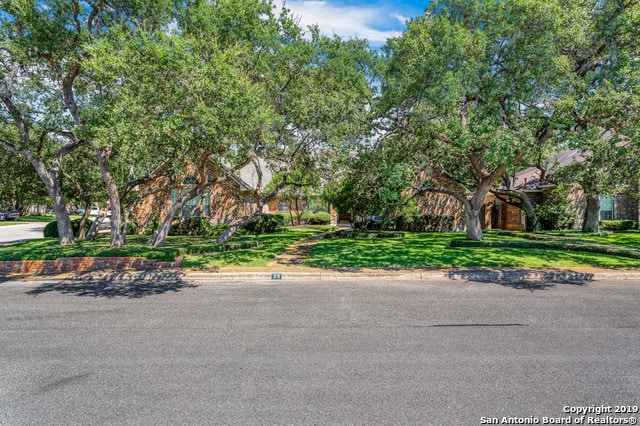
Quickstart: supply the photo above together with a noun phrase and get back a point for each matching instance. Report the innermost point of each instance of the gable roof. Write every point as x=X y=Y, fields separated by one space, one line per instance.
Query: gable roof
x=529 y=178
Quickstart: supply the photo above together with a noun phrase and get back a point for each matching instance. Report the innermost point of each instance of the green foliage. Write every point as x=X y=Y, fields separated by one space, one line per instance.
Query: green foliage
x=425 y=223
x=306 y=216
x=361 y=234
x=555 y=213
x=318 y=218
x=51 y=228
x=618 y=225
x=376 y=183
x=196 y=226
x=268 y=224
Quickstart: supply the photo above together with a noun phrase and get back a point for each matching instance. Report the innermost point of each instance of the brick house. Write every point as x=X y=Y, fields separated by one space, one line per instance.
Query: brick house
x=223 y=202
x=499 y=214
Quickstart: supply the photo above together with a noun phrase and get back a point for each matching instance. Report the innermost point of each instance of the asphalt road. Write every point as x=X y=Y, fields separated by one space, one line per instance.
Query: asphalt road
x=28 y=231
x=366 y=352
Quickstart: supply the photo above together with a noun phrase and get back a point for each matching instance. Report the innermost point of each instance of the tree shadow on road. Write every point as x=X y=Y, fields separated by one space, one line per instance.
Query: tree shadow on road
x=523 y=279
x=117 y=284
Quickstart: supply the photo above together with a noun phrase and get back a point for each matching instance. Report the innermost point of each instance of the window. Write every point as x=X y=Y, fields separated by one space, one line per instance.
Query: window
x=190 y=181
x=606 y=207
x=189 y=209
x=283 y=207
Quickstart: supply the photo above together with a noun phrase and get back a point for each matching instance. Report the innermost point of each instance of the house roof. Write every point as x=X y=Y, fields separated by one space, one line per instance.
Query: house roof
x=249 y=174
x=529 y=178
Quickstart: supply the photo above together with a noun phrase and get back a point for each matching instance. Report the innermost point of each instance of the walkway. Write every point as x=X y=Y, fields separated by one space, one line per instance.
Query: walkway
x=296 y=254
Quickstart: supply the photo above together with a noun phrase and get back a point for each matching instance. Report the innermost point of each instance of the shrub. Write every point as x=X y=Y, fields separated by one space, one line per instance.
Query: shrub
x=364 y=235
x=306 y=216
x=319 y=218
x=268 y=224
x=51 y=229
x=555 y=213
x=425 y=223
x=133 y=228
x=197 y=227
x=617 y=225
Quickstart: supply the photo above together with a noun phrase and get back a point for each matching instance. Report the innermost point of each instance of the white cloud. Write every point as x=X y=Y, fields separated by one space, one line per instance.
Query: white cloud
x=402 y=19
x=369 y=22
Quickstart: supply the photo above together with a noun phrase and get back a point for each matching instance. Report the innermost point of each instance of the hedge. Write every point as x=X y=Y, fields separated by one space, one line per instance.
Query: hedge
x=268 y=224
x=197 y=227
x=426 y=223
x=364 y=235
x=219 y=248
x=617 y=225
x=585 y=247
x=51 y=229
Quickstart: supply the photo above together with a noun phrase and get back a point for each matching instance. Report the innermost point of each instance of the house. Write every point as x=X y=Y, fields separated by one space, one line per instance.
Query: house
x=505 y=213
x=231 y=197
x=227 y=199
x=502 y=215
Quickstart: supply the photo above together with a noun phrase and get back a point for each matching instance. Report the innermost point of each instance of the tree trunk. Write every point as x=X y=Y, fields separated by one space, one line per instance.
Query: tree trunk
x=114 y=196
x=233 y=228
x=159 y=236
x=95 y=226
x=473 y=224
x=591 y=213
x=65 y=231
x=82 y=233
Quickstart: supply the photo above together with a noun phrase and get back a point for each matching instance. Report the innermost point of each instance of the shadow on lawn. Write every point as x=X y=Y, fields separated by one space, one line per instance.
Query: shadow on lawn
x=118 y=284
x=522 y=279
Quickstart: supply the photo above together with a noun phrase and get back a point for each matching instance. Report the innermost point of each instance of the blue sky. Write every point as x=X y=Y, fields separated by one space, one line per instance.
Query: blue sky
x=375 y=20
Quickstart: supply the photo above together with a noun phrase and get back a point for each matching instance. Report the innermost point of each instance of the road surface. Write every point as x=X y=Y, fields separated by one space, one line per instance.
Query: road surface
x=21 y=232
x=365 y=352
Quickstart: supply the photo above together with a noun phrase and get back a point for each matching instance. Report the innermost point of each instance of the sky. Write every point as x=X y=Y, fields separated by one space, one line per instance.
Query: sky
x=374 y=20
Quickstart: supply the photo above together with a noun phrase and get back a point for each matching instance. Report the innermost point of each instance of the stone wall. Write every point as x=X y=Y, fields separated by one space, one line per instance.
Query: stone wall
x=73 y=264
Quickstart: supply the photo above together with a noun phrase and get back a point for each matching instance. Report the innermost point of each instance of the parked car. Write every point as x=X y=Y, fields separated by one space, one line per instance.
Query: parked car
x=1 y=215
x=11 y=215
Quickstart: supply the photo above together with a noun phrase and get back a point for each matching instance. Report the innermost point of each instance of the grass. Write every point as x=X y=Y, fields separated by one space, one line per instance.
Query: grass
x=430 y=250
x=203 y=251
x=414 y=250
x=136 y=247
x=273 y=244
x=9 y=222
x=37 y=218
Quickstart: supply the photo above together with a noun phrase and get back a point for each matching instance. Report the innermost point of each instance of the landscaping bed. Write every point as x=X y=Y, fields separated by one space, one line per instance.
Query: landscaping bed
x=364 y=234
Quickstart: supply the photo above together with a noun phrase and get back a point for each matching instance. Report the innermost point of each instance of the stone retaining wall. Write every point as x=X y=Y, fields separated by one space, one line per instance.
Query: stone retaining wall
x=72 y=264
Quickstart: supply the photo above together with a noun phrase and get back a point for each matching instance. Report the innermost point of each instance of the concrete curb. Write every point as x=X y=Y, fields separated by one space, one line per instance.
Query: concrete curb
x=458 y=274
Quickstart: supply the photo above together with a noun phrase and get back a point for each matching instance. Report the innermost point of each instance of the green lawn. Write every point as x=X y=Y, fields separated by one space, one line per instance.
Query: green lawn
x=416 y=249
x=624 y=238
x=273 y=244
x=37 y=218
x=136 y=247
x=430 y=250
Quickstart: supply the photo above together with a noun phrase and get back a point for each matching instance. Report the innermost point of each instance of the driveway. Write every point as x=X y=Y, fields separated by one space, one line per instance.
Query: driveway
x=21 y=232
x=169 y=351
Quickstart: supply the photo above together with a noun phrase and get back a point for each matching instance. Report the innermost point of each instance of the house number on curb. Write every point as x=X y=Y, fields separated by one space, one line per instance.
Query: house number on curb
x=276 y=276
